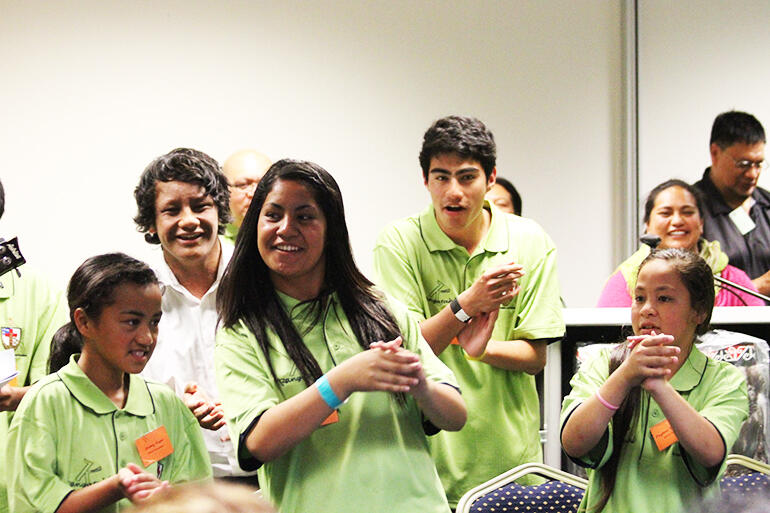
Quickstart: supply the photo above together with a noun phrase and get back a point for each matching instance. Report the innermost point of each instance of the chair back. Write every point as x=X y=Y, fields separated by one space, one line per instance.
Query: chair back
x=562 y=492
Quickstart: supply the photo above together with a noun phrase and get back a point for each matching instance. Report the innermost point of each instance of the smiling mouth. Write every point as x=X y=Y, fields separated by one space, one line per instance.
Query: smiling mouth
x=140 y=354
x=289 y=248
x=189 y=237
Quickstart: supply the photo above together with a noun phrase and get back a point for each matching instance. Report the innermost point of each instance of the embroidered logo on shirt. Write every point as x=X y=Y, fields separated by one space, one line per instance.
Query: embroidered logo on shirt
x=81 y=480
x=434 y=296
x=11 y=337
x=286 y=381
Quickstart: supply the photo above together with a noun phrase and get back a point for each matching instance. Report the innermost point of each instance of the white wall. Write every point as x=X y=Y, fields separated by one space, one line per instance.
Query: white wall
x=92 y=91
x=697 y=59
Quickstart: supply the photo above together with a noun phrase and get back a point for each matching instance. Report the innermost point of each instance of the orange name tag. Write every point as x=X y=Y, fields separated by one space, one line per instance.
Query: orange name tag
x=154 y=446
x=331 y=419
x=14 y=382
x=663 y=434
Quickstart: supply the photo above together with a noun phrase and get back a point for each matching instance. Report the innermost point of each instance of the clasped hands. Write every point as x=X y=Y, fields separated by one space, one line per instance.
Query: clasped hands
x=651 y=361
x=385 y=366
x=482 y=302
x=137 y=485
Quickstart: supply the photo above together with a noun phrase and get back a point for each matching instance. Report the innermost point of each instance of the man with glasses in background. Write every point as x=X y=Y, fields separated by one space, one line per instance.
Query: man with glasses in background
x=737 y=212
x=244 y=170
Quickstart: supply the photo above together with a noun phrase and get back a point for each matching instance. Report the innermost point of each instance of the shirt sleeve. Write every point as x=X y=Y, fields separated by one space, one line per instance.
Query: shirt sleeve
x=191 y=458
x=33 y=484
x=539 y=315
x=245 y=385
x=53 y=314
x=395 y=273
x=615 y=293
x=726 y=408
x=585 y=383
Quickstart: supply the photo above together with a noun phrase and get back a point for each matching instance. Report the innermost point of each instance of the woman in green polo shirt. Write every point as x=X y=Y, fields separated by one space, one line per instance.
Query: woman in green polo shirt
x=95 y=436
x=654 y=418
x=302 y=331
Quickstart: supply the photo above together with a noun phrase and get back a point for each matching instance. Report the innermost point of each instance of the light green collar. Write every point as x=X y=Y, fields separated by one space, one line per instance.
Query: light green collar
x=495 y=241
x=691 y=372
x=711 y=252
x=139 y=400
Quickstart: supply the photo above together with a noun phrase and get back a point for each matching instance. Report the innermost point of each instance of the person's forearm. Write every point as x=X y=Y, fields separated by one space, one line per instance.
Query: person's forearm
x=288 y=423
x=443 y=406
x=93 y=497
x=440 y=329
x=516 y=355
x=696 y=435
x=11 y=400
x=587 y=424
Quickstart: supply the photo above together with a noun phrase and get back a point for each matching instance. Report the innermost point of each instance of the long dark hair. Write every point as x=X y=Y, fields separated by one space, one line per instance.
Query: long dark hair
x=91 y=288
x=246 y=292
x=697 y=277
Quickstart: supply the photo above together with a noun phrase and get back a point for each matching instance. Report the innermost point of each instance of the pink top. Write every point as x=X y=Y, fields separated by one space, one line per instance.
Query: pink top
x=616 y=293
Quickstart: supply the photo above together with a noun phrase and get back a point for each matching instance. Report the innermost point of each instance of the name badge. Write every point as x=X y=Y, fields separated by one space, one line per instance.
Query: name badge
x=742 y=220
x=154 y=446
x=663 y=434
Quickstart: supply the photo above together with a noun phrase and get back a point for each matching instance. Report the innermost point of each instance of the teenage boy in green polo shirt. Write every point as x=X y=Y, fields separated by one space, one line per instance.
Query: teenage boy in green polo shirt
x=31 y=310
x=484 y=286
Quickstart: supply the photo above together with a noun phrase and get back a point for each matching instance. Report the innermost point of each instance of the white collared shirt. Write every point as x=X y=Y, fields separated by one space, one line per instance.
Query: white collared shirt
x=185 y=351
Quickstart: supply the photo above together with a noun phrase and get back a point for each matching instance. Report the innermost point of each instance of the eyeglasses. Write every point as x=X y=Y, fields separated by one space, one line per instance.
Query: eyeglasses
x=745 y=164
x=245 y=187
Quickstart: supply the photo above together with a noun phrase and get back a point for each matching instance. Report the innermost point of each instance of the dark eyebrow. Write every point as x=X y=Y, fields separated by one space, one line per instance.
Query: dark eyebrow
x=458 y=172
x=132 y=312
x=281 y=207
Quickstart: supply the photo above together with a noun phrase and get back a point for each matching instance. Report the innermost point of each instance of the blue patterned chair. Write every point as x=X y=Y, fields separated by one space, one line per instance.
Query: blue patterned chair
x=754 y=483
x=562 y=492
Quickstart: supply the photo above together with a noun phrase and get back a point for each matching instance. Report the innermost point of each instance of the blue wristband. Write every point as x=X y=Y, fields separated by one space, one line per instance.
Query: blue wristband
x=327 y=394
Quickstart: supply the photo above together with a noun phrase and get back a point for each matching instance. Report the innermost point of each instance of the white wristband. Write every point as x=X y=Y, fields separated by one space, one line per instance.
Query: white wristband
x=458 y=311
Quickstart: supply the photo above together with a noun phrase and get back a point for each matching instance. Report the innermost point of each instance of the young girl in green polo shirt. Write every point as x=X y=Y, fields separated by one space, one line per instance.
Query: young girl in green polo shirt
x=95 y=436
x=654 y=418
x=328 y=388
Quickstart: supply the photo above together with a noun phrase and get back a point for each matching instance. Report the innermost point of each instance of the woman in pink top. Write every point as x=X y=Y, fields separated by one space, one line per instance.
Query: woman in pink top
x=672 y=212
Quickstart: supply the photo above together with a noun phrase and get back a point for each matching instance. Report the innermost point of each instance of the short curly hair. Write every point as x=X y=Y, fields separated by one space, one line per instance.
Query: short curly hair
x=465 y=136
x=182 y=165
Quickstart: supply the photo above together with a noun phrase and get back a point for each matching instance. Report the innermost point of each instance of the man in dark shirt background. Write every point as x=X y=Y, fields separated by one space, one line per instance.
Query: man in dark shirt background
x=737 y=212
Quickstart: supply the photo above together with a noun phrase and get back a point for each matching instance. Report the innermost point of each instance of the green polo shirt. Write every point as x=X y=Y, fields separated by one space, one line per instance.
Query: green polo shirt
x=67 y=434
x=31 y=310
x=649 y=480
x=421 y=266
x=374 y=459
